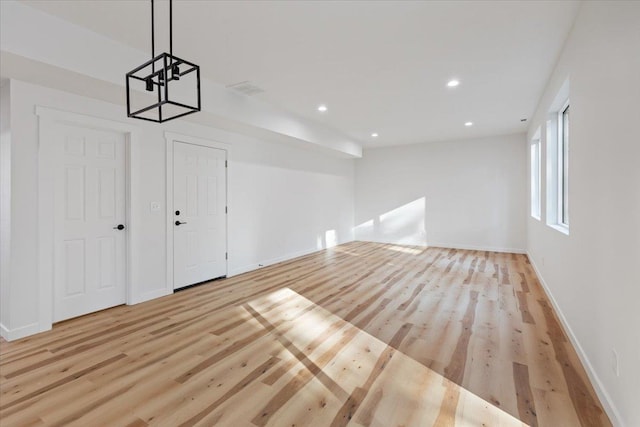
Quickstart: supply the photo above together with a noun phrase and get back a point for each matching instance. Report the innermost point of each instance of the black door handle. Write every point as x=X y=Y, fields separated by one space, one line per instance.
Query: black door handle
x=179 y=223
x=119 y=227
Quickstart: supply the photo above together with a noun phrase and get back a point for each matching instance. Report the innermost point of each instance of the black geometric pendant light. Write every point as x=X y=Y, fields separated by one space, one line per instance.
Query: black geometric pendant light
x=165 y=87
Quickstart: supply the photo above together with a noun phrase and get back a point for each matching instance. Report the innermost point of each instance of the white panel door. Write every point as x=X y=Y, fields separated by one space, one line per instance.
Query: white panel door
x=90 y=204
x=199 y=220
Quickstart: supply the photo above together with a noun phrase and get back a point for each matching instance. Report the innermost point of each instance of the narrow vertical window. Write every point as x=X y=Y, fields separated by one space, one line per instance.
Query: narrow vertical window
x=557 y=162
x=563 y=165
x=535 y=178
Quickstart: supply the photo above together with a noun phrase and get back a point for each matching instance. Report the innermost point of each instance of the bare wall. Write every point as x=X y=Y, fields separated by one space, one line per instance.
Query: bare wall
x=465 y=194
x=592 y=273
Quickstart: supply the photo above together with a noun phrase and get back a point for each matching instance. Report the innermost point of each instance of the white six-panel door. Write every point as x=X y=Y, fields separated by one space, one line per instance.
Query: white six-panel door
x=199 y=223
x=90 y=203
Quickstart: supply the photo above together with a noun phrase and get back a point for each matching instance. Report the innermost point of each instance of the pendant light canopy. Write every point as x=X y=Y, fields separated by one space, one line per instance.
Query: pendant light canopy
x=165 y=87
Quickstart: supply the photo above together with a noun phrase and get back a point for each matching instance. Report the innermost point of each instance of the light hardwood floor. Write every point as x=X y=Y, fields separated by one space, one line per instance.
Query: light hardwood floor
x=360 y=334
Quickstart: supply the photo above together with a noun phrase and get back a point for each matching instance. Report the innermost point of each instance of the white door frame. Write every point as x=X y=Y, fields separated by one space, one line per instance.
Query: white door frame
x=48 y=159
x=171 y=138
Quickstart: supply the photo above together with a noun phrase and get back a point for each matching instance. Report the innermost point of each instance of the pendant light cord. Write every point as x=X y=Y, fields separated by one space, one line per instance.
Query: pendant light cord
x=153 y=33
x=153 y=44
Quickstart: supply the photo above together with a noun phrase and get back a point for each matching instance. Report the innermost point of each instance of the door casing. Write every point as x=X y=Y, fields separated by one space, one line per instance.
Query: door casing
x=171 y=138
x=48 y=159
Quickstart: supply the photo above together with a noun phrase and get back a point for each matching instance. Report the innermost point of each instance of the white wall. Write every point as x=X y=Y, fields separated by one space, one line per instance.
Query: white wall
x=282 y=199
x=285 y=202
x=5 y=200
x=466 y=194
x=592 y=274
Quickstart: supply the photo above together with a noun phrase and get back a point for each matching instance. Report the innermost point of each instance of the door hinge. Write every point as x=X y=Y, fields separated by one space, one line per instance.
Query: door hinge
x=226 y=209
x=226 y=255
x=226 y=164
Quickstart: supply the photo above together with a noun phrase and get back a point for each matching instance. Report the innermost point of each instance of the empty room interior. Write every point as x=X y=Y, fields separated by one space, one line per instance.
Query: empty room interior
x=319 y=213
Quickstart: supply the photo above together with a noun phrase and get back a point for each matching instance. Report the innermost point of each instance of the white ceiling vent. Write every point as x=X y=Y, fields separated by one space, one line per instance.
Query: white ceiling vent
x=246 y=87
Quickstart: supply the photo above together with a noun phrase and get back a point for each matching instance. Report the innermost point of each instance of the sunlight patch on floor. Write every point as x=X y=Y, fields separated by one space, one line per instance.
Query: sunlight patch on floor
x=394 y=388
x=406 y=250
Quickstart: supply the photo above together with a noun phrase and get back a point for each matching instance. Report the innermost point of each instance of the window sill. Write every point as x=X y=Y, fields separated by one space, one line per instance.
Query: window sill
x=536 y=217
x=561 y=228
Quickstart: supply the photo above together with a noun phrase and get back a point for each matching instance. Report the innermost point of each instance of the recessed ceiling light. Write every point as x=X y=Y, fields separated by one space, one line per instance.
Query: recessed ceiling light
x=322 y=108
x=453 y=83
x=467 y=124
x=374 y=135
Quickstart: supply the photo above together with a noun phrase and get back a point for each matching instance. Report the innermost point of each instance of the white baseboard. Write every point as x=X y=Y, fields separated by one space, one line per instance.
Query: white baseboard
x=272 y=261
x=4 y=332
x=292 y=255
x=149 y=296
x=605 y=399
x=476 y=248
x=450 y=246
x=21 y=332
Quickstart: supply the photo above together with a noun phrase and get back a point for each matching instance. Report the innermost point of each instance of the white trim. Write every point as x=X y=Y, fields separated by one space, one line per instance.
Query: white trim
x=47 y=118
x=21 y=332
x=292 y=255
x=476 y=248
x=604 y=397
x=148 y=296
x=84 y=119
x=171 y=138
x=45 y=222
x=551 y=170
x=560 y=168
x=275 y=260
x=452 y=246
x=560 y=227
x=535 y=144
x=555 y=160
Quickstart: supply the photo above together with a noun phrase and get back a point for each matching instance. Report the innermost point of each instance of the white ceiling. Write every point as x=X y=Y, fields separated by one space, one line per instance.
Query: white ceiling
x=378 y=66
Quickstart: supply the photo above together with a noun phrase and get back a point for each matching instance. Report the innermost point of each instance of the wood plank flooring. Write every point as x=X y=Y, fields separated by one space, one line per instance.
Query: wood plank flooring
x=361 y=334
